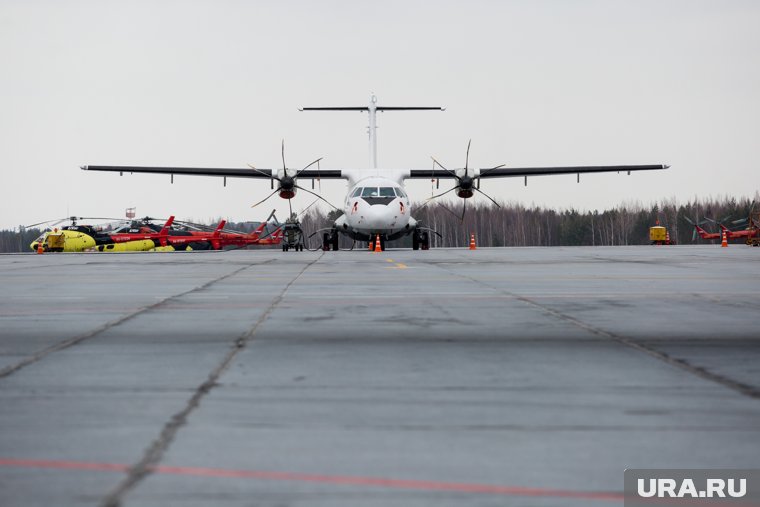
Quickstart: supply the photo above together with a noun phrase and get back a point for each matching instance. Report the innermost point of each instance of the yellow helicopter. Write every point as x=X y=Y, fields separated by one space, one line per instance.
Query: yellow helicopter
x=131 y=237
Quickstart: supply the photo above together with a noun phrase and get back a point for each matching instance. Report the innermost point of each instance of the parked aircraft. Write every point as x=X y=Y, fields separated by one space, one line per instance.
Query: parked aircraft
x=144 y=236
x=376 y=204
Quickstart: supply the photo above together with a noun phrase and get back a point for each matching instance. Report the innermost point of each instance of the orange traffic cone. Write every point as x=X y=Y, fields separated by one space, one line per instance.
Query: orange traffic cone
x=369 y=242
x=724 y=240
x=378 y=247
x=472 y=242
x=667 y=237
x=40 y=249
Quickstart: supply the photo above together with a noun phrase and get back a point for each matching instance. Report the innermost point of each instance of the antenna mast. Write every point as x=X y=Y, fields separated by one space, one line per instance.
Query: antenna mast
x=372 y=109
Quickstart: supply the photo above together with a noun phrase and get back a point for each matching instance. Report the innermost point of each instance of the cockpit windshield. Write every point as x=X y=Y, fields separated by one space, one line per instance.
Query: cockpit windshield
x=381 y=192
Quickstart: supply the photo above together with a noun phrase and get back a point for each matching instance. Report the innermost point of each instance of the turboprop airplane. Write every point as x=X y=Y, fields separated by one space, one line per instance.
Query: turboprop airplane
x=376 y=205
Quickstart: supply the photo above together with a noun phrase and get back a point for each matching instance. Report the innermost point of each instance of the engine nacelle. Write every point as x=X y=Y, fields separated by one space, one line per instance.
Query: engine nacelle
x=287 y=187
x=464 y=193
x=287 y=194
x=464 y=189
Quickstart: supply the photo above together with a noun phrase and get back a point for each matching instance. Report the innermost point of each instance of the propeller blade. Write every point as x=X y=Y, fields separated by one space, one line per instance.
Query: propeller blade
x=447 y=209
x=283 y=155
x=447 y=170
x=302 y=170
x=264 y=174
x=267 y=198
x=441 y=194
x=740 y=221
x=467 y=158
x=489 y=197
x=303 y=211
x=464 y=209
x=316 y=195
x=491 y=169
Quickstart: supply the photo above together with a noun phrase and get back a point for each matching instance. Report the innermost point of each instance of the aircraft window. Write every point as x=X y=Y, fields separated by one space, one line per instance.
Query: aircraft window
x=400 y=192
x=369 y=192
x=387 y=192
x=357 y=192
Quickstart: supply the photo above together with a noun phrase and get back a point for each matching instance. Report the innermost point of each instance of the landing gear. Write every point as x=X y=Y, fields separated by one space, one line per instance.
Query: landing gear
x=420 y=240
x=330 y=240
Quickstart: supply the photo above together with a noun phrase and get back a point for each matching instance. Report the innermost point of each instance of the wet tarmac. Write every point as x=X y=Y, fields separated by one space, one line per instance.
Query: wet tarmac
x=522 y=376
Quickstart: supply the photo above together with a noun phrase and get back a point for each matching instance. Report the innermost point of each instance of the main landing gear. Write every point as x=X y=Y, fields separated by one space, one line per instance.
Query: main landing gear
x=330 y=240
x=420 y=240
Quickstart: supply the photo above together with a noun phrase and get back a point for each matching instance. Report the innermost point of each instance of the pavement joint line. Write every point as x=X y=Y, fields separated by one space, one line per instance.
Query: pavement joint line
x=721 y=301
x=155 y=452
x=41 y=354
x=740 y=387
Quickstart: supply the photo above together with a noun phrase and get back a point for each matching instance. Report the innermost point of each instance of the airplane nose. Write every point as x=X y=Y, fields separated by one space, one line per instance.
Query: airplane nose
x=379 y=217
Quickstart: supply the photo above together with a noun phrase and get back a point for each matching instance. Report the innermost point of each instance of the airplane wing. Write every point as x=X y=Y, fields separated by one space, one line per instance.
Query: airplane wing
x=214 y=171
x=511 y=172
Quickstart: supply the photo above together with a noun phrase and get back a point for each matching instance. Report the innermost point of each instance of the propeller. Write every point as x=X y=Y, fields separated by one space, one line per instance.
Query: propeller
x=467 y=184
x=287 y=183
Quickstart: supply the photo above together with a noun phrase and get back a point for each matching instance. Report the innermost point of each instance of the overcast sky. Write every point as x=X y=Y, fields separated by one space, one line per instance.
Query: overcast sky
x=219 y=83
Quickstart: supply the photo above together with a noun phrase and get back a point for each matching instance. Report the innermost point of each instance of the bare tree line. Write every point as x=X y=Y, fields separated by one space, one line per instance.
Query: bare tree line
x=516 y=225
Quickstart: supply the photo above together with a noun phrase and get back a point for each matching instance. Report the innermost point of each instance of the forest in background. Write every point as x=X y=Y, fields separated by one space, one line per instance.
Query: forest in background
x=517 y=225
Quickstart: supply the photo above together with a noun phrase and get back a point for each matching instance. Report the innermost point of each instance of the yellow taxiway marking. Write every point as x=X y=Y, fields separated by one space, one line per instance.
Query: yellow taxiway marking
x=398 y=265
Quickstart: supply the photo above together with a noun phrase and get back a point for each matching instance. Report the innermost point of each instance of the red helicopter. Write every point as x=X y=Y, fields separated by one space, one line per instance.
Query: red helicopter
x=218 y=239
x=182 y=239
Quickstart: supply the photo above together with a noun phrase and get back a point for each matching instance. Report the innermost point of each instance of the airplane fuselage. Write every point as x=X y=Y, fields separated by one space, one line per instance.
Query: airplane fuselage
x=376 y=205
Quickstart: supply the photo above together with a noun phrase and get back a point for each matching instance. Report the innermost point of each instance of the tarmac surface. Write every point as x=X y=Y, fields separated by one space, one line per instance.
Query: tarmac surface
x=521 y=376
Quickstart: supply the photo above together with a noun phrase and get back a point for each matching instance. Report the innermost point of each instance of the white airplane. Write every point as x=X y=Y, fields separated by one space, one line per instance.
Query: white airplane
x=376 y=205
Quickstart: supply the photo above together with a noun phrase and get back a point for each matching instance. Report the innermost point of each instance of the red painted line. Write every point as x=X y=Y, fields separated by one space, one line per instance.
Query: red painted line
x=62 y=465
x=453 y=487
